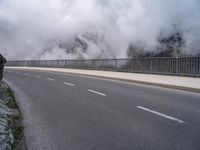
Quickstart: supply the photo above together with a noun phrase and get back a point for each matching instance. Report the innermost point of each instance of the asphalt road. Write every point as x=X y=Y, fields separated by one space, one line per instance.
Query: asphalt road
x=68 y=112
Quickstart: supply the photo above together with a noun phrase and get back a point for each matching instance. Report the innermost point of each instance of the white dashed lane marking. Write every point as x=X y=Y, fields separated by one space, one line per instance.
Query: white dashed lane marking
x=96 y=92
x=51 y=79
x=70 y=84
x=161 y=114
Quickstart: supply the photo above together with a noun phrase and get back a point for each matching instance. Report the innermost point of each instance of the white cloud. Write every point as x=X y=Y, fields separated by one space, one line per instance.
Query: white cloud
x=34 y=29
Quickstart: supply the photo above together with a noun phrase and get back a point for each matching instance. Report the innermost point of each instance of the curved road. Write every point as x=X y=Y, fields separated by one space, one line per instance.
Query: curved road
x=69 y=112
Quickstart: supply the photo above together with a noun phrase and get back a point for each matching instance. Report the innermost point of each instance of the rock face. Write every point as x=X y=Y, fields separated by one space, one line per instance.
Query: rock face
x=6 y=135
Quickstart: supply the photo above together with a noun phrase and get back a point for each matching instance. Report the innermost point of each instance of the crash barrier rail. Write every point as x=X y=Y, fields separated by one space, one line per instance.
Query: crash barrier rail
x=182 y=66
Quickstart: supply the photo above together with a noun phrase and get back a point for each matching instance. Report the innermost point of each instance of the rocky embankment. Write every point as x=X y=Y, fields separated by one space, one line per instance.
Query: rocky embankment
x=11 y=128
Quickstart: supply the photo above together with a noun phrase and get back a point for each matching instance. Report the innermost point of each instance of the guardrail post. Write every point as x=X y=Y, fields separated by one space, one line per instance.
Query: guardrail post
x=103 y=64
x=176 y=65
x=116 y=63
x=151 y=65
x=132 y=65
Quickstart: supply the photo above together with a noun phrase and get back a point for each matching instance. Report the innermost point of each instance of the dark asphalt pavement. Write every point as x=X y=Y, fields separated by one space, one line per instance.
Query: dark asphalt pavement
x=69 y=112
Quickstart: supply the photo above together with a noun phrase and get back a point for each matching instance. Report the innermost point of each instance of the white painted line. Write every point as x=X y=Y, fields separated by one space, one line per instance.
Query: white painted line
x=51 y=79
x=66 y=83
x=161 y=114
x=97 y=92
x=37 y=76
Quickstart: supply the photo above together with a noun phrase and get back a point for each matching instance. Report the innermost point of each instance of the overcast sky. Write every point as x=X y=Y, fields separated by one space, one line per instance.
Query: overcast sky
x=33 y=29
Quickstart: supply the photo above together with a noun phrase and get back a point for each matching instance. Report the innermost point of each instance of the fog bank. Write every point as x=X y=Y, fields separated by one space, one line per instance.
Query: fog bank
x=77 y=29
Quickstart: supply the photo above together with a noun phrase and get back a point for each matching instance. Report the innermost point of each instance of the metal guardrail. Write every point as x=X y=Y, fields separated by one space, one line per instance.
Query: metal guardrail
x=184 y=66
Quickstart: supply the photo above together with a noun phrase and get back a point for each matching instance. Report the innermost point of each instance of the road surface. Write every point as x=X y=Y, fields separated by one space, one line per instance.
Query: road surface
x=69 y=112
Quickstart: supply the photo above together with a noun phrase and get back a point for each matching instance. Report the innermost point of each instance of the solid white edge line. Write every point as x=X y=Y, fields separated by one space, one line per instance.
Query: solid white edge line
x=96 y=92
x=70 y=84
x=161 y=114
x=51 y=79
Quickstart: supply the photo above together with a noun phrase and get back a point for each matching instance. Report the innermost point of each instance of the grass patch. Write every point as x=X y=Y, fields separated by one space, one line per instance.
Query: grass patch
x=10 y=92
x=18 y=133
x=11 y=102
